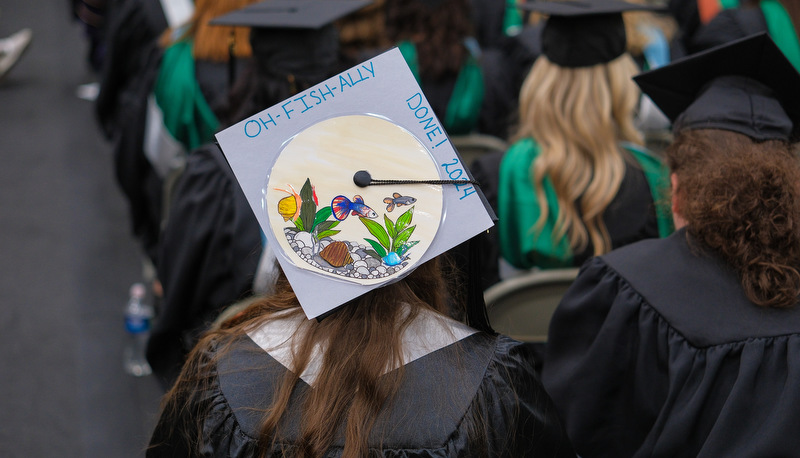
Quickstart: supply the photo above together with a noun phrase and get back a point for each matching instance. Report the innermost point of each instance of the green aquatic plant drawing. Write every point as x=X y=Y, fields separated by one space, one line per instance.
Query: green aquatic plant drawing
x=392 y=237
x=312 y=220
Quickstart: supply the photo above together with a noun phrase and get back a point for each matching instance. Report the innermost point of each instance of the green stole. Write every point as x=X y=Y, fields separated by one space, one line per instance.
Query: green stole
x=519 y=209
x=512 y=19
x=187 y=115
x=464 y=105
x=782 y=30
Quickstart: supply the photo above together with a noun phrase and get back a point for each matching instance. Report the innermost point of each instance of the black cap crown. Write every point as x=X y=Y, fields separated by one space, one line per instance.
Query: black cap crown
x=582 y=33
x=746 y=86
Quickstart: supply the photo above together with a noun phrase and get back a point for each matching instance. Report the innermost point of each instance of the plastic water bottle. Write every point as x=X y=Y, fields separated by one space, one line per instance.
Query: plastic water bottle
x=137 y=324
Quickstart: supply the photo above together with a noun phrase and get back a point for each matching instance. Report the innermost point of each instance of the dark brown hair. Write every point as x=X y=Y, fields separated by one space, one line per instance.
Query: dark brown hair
x=741 y=199
x=438 y=30
x=361 y=340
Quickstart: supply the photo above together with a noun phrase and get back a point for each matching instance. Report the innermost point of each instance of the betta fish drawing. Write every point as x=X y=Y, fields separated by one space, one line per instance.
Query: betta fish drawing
x=342 y=207
x=397 y=200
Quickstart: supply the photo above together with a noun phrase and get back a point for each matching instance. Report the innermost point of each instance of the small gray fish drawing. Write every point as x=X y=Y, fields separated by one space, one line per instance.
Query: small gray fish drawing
x=397 y=200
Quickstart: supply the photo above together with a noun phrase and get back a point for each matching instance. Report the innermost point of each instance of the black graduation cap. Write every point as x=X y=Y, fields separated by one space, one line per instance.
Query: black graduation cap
x=301 y=14
x=582 y=33
x=293 y=37
x=746 y=86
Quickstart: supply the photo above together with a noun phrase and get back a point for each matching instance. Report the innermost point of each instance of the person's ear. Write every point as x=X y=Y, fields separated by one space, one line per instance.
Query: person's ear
x=677 y=218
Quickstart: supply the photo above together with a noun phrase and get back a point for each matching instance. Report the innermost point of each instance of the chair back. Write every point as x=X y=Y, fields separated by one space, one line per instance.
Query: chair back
x=521 y=307
x=473 y=146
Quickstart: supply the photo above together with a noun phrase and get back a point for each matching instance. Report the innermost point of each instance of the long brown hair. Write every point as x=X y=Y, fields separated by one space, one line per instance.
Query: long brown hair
x=361 y=341
x=741 y=199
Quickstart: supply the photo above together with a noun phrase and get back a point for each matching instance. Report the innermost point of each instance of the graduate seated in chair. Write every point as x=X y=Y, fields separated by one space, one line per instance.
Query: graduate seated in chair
x=685 y=346
x=355 y=354
x=577 y=182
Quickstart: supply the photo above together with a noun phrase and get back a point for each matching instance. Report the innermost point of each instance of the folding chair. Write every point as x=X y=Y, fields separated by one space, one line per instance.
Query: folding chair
x=521 y=307
x=472 y=146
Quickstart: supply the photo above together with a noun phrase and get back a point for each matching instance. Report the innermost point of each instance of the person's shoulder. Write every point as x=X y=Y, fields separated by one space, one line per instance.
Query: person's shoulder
x=647 y=160
x=522 y=146
x=516 y=161
x=510 y=361
x=641 y=251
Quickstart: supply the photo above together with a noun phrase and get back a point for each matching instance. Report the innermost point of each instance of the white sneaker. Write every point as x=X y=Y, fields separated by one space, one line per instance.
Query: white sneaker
x=11 y=49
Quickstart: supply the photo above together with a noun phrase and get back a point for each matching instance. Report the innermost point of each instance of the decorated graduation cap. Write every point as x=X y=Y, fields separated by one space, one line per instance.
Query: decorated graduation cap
x=354 y=182
x=746 y=86
x=583 y=33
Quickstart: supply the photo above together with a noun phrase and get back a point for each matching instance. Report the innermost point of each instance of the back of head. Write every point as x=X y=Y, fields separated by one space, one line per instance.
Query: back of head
x=437 y=28
x=741 y=199
x=581 y=105
x=360 y=257
x=578 y=116
x=361 y=343
x=285 y=59
x=735 y=113
x=578 y=103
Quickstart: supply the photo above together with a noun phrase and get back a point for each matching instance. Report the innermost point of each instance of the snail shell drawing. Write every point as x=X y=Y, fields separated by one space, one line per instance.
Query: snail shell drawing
x=337 y=254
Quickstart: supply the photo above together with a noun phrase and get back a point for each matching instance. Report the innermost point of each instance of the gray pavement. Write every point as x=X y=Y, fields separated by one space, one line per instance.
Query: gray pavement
x=67 y=258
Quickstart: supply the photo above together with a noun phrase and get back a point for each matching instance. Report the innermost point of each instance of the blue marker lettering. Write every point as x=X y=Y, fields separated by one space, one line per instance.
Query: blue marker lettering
x=342 y=83
x=429 y=124
x=466 y=193
x=315 y=96
x=286 y=110
x=323 y=93
x=419 y=99
x=302 y=98
x=446 y=166
x=432 y=132
x=371 y=69
x=257 y=125
x=269 y=116
x=460 y=172
x=361 y=77
x=439 y=142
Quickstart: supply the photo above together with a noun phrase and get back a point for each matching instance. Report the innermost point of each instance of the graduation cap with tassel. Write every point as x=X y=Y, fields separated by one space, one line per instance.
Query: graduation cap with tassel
x=355 y=182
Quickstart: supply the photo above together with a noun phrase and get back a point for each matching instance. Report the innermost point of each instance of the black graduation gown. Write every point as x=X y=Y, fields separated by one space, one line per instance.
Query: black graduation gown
x=728 y=25
x=443 y=395
x=133 y=26
x=505 y=68
x=209 y=252
x=137 y=179
x=656 y=352
x=488 y=17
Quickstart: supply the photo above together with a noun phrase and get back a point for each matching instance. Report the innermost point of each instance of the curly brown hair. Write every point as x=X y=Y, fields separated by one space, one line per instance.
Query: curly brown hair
x=437 y=29
x=741 y=200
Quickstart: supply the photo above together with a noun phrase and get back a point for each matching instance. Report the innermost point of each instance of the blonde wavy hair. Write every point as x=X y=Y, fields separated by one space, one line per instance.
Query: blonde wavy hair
x=578 y=116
